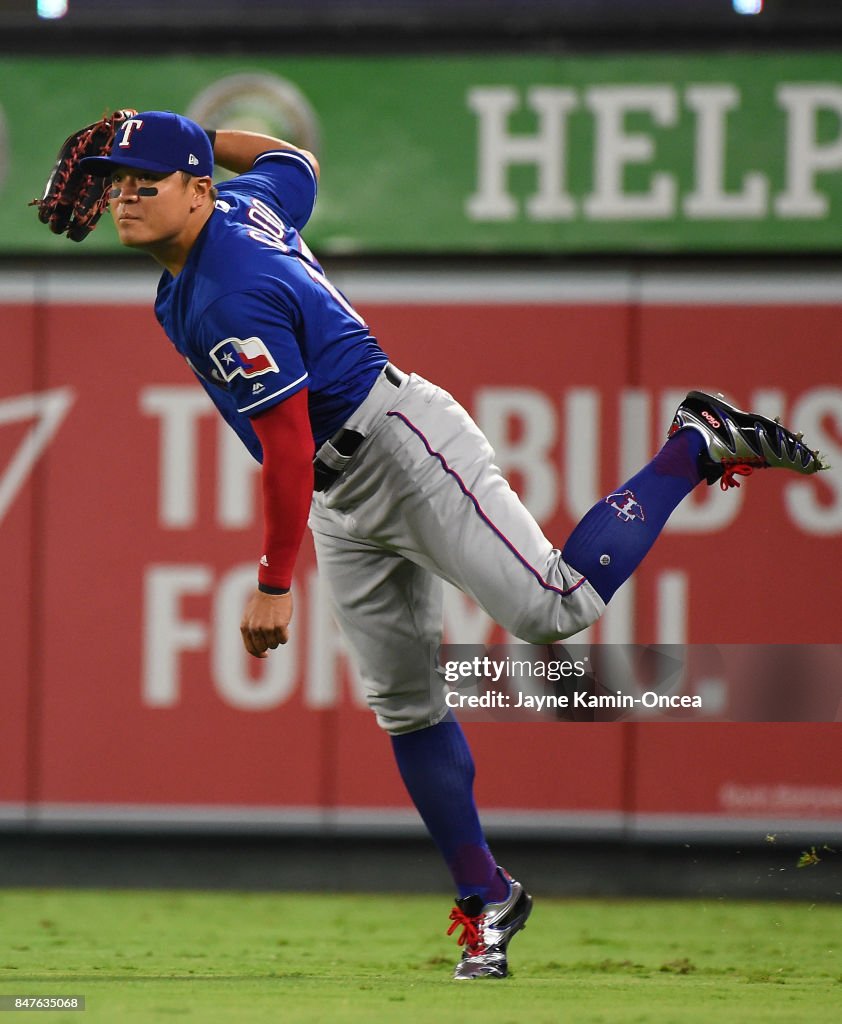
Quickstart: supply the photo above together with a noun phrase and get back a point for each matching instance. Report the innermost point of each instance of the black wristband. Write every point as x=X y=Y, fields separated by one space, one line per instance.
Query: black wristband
x=274 y=591
x=211 y=134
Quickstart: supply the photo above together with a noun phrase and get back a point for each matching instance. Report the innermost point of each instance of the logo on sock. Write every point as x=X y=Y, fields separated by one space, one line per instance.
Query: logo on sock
x=626 y=505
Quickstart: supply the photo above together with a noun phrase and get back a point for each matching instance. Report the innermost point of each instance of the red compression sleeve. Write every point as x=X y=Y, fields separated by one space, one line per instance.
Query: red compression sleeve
x=287 y=440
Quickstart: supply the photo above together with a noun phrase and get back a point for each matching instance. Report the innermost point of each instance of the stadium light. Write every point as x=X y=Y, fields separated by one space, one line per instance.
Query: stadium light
x=748 y=6
x=52 y=8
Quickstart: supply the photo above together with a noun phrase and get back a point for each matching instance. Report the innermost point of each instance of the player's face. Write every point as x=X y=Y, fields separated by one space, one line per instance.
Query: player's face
x=149 y=209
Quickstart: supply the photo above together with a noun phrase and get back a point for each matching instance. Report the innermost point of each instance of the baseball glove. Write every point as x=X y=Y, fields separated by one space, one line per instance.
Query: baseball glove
x=74 y=200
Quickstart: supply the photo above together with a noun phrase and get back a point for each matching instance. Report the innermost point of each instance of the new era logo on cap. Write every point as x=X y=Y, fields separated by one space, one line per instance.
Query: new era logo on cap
x=157 y=140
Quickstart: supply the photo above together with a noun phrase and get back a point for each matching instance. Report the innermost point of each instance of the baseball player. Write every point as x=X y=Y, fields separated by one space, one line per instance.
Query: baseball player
x=399 y=484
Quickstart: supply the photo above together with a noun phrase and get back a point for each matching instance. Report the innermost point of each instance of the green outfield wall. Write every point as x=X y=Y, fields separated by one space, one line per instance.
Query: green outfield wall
x=472 y=154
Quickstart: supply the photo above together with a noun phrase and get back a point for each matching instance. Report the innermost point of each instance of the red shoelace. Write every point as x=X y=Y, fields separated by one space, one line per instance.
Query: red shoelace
x=735 y=468
x=471 y=930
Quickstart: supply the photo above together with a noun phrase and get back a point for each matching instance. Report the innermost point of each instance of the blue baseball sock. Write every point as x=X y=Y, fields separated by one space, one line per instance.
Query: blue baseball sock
x=438 y=771
x=613 y=537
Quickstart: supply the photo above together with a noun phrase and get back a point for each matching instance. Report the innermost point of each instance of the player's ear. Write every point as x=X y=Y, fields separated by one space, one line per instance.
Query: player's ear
x=201 y=191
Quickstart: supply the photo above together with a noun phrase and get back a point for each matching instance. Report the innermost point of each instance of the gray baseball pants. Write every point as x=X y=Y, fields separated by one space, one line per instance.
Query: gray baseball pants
x=422 y=501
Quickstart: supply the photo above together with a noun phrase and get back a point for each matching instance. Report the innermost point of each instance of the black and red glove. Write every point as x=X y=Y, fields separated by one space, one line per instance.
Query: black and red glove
x=74 y=200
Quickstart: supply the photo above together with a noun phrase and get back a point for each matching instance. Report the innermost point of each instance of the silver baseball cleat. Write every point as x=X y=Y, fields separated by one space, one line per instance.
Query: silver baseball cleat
x=739 y=442
x=487 y=930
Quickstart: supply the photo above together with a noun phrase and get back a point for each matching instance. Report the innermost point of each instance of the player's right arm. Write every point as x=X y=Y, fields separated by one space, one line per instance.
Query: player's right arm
x=287 y=484
x=236 y=151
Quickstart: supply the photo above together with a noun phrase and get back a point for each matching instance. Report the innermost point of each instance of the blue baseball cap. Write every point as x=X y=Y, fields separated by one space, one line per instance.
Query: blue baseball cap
x=156 y=140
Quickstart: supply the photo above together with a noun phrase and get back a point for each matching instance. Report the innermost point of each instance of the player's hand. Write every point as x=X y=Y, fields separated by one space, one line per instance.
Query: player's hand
x=265 y=622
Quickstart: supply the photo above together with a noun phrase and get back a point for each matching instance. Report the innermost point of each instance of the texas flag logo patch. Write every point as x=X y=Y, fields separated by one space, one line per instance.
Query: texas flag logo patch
x=249 y=358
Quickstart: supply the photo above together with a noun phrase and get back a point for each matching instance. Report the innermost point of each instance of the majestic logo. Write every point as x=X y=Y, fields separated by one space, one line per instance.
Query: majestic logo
x=626 y=505
x=249 y=358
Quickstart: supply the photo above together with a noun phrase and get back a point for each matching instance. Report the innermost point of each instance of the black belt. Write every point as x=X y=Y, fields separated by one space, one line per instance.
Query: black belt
x=346 y=442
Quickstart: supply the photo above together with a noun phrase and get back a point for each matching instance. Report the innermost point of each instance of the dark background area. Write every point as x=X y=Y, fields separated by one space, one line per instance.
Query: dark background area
x=395 y=25
x=559 y=868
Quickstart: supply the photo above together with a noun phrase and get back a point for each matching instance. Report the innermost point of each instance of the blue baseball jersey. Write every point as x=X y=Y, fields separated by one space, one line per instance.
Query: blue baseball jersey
x=253 y=313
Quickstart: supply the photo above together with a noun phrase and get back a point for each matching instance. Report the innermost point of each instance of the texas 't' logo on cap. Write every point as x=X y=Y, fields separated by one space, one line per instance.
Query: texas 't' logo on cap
x=160 y=141
x=126 y=130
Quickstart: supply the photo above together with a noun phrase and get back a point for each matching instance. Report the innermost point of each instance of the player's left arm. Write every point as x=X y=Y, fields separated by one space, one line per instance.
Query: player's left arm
x=287 y=484
x=236 y=151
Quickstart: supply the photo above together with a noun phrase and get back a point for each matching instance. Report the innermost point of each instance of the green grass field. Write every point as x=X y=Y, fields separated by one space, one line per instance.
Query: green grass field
x=150 y=956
